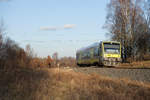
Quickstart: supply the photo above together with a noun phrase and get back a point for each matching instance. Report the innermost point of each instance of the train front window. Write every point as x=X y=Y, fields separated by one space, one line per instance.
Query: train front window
x=112 y=48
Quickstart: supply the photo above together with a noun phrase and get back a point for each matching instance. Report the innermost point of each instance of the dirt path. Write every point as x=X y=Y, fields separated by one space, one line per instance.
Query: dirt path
x=133 y=74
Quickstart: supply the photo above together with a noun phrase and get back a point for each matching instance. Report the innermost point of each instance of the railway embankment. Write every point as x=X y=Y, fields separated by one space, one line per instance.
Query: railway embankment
x=137 y=74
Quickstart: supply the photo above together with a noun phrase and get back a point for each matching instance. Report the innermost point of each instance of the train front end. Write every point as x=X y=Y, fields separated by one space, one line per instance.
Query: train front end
x=111 y=53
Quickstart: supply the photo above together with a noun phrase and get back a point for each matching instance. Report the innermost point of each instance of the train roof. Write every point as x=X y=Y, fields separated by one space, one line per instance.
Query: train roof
x=90 y=46
x=110 y=42
x=95 y=45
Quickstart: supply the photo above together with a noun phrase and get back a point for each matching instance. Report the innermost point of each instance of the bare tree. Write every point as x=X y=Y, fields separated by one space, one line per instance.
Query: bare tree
x=126 y=23
x=2 y=50
x=29 y=51
x=11 y=55
x=55 y=58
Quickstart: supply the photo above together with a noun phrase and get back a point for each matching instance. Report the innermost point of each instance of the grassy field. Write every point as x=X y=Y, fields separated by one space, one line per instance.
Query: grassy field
x=65 y=84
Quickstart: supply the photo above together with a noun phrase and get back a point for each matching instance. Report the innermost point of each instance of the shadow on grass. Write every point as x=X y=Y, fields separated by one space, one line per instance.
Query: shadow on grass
x=21 y=83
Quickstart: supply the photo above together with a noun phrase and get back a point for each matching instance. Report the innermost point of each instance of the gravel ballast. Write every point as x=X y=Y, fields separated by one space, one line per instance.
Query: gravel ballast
x=132 y=74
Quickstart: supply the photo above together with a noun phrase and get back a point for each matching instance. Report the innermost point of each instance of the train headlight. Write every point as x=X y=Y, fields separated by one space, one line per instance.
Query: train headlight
x=119 y=59
x=106 y=58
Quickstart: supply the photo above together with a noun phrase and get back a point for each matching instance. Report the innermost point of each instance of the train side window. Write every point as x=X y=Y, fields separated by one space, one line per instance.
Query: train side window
x=77 y=56
x=82 y=56
x=88 y=54
x=85 y=55
x=96 y=51
x=92 y=52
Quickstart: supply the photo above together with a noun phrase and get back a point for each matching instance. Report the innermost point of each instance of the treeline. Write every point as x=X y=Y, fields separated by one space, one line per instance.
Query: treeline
x=128 y=21
x=12 y=56
x=52 y=63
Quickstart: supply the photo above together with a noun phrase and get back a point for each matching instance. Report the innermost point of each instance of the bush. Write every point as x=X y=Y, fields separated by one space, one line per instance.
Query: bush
x=67 y=62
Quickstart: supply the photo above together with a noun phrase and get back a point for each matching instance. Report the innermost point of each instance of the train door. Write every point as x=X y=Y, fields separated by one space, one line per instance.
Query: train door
x=100 y=54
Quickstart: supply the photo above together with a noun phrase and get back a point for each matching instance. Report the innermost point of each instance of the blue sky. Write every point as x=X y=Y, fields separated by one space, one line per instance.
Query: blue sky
x=50 y=26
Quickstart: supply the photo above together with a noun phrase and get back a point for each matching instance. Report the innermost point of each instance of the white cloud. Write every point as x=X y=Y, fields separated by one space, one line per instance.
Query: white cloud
x=69 y=26
x=49 y=28
x=54 y=28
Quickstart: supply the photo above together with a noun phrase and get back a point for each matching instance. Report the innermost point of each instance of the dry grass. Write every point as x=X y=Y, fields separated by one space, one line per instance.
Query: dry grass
x=21 y=83
x=136 y=64
x=59 y=84
x=67 y=61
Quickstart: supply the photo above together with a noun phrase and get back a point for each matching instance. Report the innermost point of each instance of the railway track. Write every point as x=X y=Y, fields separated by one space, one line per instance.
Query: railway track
x=132 y=74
